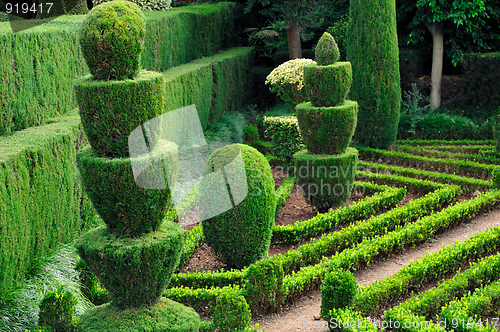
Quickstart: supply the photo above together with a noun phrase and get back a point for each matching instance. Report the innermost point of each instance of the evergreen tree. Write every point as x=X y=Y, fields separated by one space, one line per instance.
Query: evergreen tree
x=372 y=49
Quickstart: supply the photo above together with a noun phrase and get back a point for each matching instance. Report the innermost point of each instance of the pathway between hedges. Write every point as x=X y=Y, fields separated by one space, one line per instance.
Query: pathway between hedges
x=307 y=309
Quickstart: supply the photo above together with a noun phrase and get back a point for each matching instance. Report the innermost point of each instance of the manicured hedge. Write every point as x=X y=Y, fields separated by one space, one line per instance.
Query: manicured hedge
x=38 y=65
x=40 y=194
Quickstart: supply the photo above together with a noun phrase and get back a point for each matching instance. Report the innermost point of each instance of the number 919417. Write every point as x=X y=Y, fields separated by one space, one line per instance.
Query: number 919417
x=24 y=8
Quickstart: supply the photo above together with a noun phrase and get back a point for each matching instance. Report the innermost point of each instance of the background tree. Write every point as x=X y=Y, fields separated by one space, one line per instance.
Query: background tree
x=372 y=49
x=463 y=25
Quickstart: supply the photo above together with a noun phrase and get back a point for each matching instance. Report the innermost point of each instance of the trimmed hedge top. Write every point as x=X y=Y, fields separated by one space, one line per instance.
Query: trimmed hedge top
x=112 y=39
x=327 y=51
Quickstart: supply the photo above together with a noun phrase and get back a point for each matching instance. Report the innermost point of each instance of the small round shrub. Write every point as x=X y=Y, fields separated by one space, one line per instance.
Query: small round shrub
x=57 y=309
x=287 y=81
x=239 y=227
x=250 y=135
x=337 y=291
x=327 y=51
x=231 y=312
x=112 y=38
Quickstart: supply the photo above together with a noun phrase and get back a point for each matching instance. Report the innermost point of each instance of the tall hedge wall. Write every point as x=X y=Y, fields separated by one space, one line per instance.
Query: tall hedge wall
x=38 y=66
x=41 y=199
x=40 y=194
x=372 y=49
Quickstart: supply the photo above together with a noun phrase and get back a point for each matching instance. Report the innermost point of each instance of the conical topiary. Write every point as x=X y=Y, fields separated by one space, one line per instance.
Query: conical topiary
x=327 y=50
x=327 y=124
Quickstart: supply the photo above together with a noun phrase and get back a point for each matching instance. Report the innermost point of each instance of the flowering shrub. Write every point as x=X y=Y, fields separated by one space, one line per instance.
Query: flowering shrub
x=145 y=5
x=287 y=81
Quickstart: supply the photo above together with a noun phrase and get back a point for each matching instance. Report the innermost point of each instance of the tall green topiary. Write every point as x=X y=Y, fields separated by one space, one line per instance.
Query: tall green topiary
x=372 y=48
x=241 y=234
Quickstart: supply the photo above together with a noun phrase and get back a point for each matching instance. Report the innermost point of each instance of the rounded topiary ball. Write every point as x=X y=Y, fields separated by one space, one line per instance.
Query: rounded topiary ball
x=112 y=39
x=327 y=51
x=337 y=291
x=237 y=204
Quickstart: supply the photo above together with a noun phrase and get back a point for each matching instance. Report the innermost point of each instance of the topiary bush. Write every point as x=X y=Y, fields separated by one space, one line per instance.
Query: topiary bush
x=238 y=227
x=264 y=286
x=287 y=81
x=284 y=133
x=231 y=313
x=57 y=310
x=135 y=271
x=372 y=48
x=250 y=135
x=327 y=51
x=337 y=291
x=327 y=130
x=112 y=39
x=327 y=85
x=326 y=180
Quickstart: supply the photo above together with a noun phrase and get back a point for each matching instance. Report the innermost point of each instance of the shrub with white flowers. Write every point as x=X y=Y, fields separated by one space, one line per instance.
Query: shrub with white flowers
x=287 y=81
x=145 y=5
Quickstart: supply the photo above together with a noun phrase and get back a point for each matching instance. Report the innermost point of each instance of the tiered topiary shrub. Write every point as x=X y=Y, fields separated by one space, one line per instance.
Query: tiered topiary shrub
x=372 y=48
x=238 y=204
x=325 y=170
x=135 y=254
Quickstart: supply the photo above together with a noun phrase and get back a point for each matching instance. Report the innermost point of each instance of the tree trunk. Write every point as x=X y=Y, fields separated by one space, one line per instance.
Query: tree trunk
x=293 y=37
x=436 y=29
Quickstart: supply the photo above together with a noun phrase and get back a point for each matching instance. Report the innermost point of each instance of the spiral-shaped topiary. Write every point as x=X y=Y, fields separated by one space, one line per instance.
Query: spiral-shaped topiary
x=112 y=39
x=327 y=50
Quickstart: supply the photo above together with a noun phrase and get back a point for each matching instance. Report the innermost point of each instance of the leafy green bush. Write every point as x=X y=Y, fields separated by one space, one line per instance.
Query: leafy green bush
x=264 y=286
x=57 y=309
x=241 y=234
x=91 y=286
x=145 y=5
x=411 y=107
x=250 y=135
x=338 y=31
x=231 y=312
x=112 y=39
x=287 y=81
x=284 y=133
x=495 y=178
x=337 y=291
x=372 y=49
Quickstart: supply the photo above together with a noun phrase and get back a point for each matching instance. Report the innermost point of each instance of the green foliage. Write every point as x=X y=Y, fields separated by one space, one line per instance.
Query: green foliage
x=372 y=49
x=116 y=195
x=112 y=110
x=496 y=131
x=283 y=192
x=327 y=130
x=134 y=271
x=480 y=75
x=242 y=234
x=328 y=179
x=112 y=39
x=328 y=86
x=427 y=304
x=91 y=286
x=40 y=195
x=363 y=253
x=231 y=312
x=63 y=7
x=283 y=131
x=144 y=5
x=495 y=178
x=57 y=309
x=411 y=107
x=264 y=286
x=287 y=81
x=339 y=32
x=337 y=291
x=250 y=135
x=327 y=50
x=166 y=315
x=20 y=306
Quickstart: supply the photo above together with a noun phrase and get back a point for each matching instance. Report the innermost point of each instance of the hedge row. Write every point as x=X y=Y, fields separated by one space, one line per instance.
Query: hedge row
x=446 y=154
x=461 y=148
x=426 y=305
x=214 y=84
x=317 y=225
x=447 y=165
x=40 y=194
x=432 y=267
x=469 y=185
x=362 y=254
x=38 y=66
x=423 y=142
x=413 y=185
x=466 y=314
